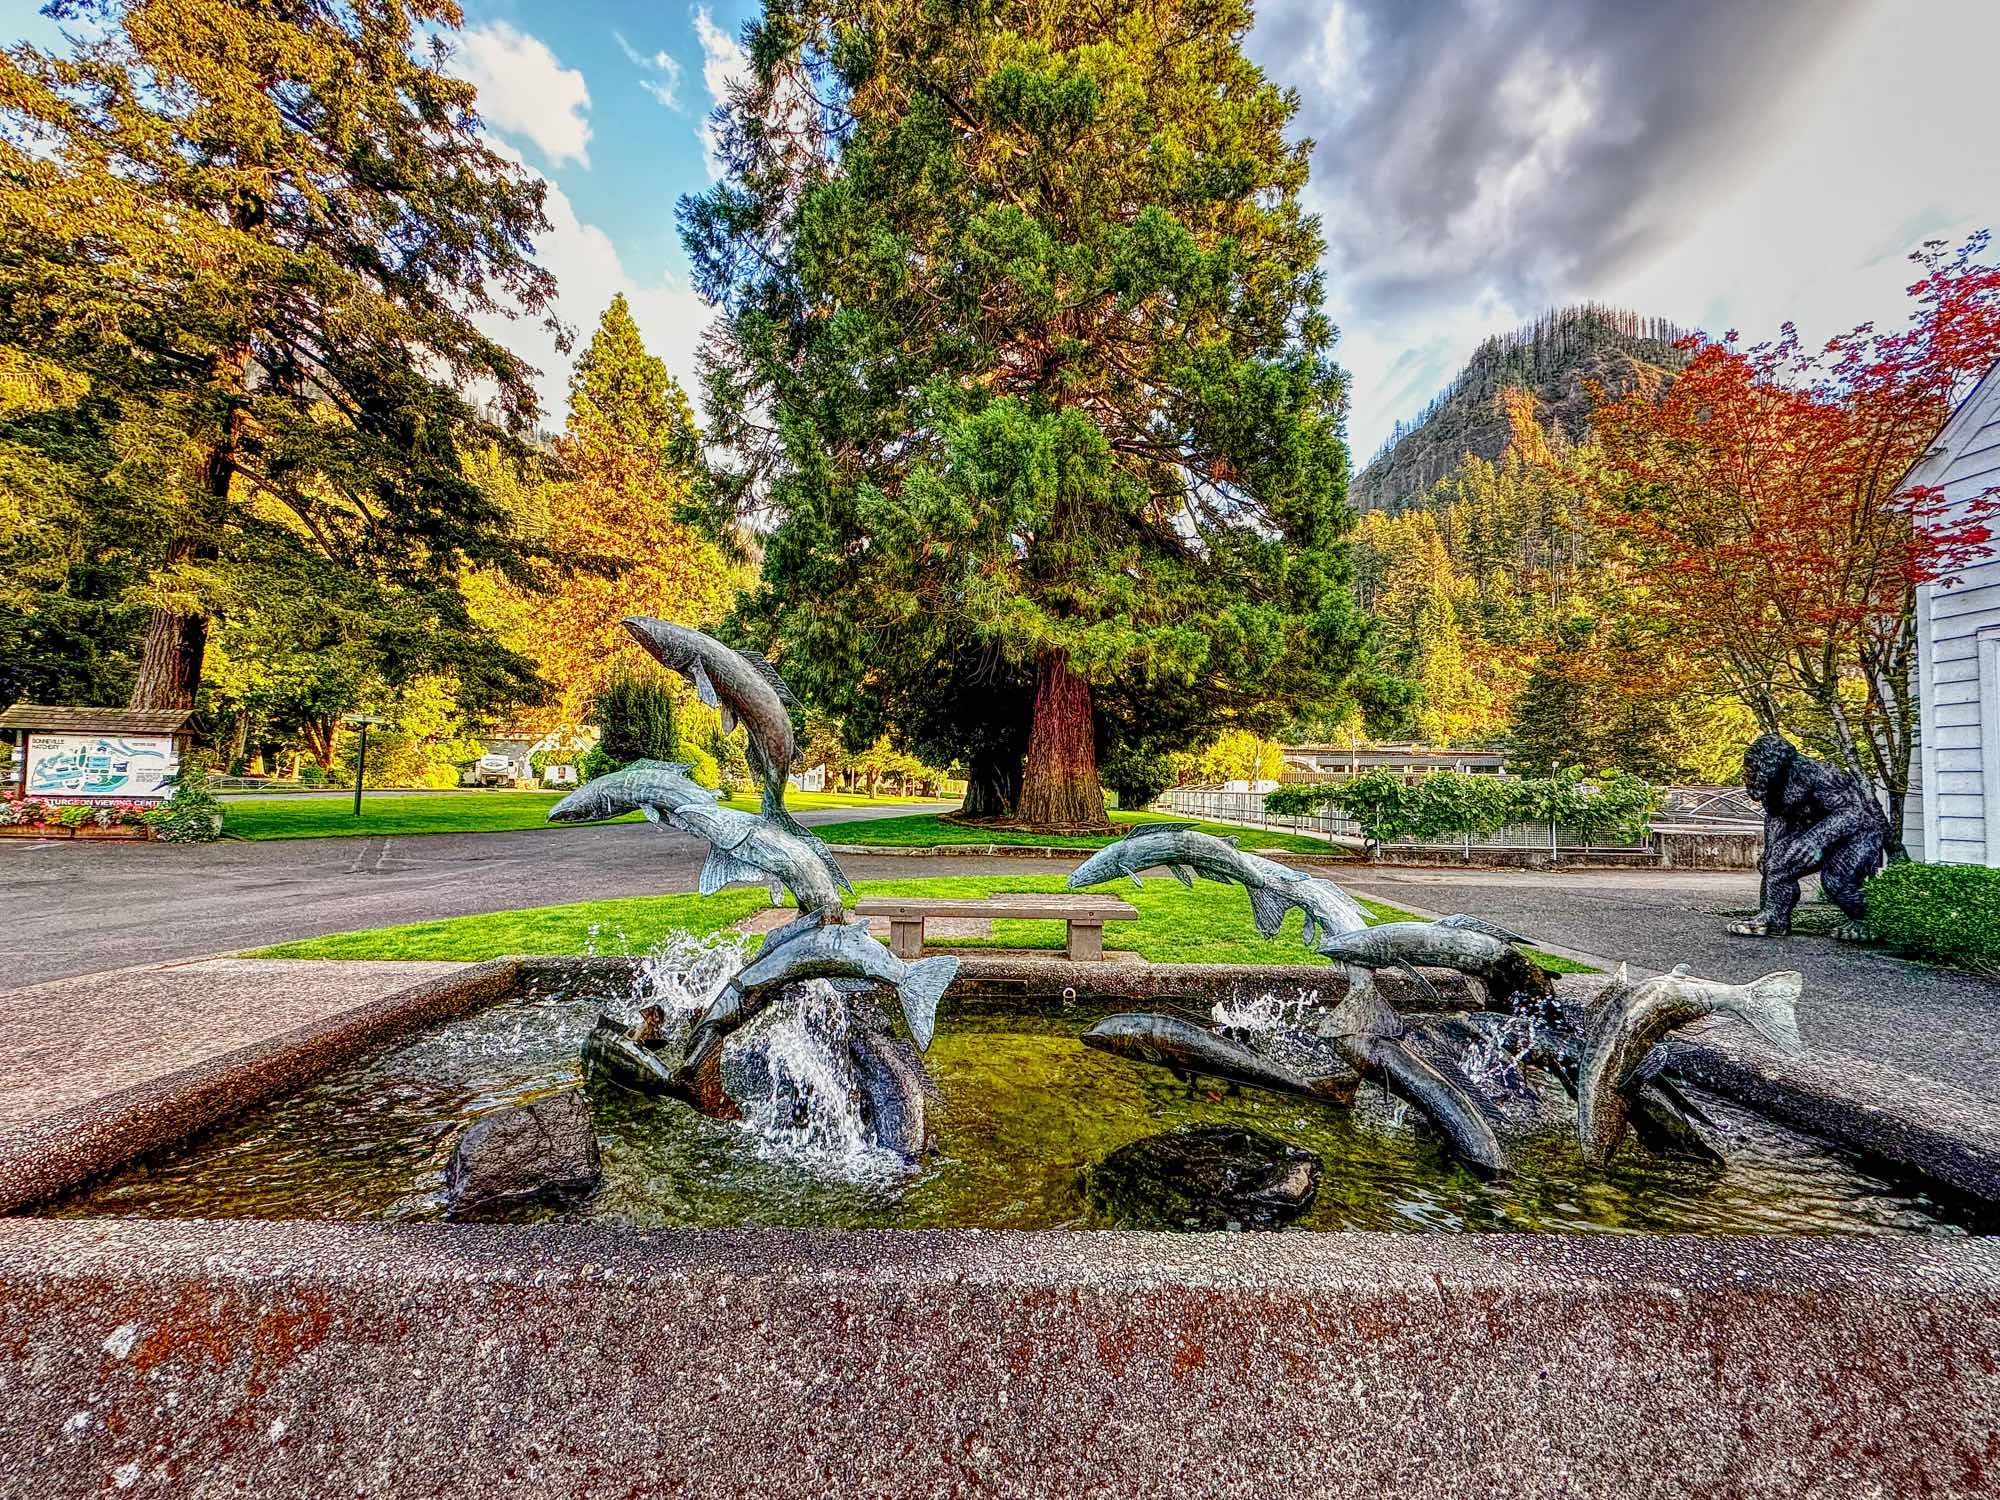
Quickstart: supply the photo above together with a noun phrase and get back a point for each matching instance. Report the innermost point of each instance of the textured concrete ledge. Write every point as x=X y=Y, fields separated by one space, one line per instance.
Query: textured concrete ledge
x=207 y=1359
x=59 y=1150
x=1917 y=1127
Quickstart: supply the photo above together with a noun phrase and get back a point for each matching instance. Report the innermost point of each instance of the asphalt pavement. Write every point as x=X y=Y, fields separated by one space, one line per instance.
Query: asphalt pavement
x=69 y=908
x=77 y=908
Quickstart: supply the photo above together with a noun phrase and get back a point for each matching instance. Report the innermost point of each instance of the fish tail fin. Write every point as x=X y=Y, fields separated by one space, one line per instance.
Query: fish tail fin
x=920 y=990
x=1771 y=1005
x=1268 y=906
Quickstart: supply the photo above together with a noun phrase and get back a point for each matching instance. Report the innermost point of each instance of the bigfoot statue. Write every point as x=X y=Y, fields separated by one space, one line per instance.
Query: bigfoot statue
x=1815 y=818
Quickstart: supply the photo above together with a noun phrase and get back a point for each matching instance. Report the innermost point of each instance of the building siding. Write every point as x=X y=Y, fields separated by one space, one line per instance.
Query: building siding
x=1953 y=814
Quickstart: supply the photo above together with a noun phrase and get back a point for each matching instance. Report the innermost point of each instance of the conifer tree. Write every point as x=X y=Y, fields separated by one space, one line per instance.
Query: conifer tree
x=1024 y=365
x=628 y=455
x=267 y=230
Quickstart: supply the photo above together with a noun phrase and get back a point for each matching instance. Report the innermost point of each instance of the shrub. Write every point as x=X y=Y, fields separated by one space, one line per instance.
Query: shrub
x=191 y=815
x=635 y=716
x=1451 y=804
x=1949 y=914
x=704 y=771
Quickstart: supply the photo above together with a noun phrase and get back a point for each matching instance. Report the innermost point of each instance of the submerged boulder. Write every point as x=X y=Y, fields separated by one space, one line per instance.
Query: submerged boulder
x=537 y=1152
x=1206 y=1177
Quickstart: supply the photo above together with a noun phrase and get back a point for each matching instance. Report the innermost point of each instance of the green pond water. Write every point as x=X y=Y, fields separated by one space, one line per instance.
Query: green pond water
x=1024 y=1114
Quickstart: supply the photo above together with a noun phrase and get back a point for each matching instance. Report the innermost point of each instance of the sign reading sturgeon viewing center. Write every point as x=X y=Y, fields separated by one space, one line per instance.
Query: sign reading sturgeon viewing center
x=80 y=754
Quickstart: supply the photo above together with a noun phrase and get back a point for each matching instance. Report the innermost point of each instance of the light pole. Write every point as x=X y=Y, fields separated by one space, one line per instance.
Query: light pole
x=361 y=722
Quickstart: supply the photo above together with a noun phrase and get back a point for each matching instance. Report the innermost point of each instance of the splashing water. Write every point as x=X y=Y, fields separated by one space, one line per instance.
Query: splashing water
x=810 y=1113
x=790 y=1066
x=1498 y=1062
x=1265 y=1012
x=1280 y=1029
x=683 y=973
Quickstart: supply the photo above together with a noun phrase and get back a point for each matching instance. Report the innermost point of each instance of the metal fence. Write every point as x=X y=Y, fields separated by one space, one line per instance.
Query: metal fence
x=1331 y=824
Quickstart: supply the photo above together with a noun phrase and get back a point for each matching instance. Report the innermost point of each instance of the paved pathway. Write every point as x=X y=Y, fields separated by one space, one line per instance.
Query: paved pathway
x=1908 y=1016
x=70 y=908
x=78 y=1039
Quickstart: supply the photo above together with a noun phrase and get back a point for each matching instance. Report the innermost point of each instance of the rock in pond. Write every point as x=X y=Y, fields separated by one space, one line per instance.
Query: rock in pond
x=534 y=1152
x=1206 y=1177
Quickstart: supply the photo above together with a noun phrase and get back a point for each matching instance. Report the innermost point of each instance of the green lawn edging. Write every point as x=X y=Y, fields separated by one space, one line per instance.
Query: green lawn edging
x=1209 y=924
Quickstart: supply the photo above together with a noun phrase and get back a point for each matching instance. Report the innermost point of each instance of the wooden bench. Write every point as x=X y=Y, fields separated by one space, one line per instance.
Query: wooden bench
x=1086 y=916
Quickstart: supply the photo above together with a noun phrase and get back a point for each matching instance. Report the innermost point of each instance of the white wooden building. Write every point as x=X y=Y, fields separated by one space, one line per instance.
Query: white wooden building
x=1953 y=812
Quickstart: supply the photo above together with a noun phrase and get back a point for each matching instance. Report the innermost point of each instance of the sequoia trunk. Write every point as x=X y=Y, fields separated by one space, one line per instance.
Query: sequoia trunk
x=992 y=787
x=170 y=660
x=1059 y=787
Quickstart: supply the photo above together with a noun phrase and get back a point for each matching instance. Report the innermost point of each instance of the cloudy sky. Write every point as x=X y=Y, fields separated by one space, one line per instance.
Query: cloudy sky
x=1724 y=163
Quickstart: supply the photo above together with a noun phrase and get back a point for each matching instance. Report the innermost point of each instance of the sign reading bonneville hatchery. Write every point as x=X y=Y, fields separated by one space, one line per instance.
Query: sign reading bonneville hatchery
x=87 y=765
x=65 y=754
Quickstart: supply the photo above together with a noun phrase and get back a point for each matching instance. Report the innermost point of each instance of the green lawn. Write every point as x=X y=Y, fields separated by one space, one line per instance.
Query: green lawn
x=1208 y=924
x=926 y=830
x=294 y=817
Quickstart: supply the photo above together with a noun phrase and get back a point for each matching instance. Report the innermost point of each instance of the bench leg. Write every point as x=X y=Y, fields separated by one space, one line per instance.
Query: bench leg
x=906 y=937
x=1086 y=941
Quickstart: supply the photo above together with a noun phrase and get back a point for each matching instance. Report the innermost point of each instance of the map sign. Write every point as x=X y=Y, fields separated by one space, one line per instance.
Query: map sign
x=89 y=765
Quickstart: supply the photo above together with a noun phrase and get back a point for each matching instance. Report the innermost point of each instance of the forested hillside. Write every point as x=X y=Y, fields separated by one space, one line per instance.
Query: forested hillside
x=1556 y=358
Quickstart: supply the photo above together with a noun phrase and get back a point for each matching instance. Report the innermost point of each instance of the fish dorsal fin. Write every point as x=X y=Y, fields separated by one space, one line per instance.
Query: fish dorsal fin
x=1465 y=923
x=1233 y=840
x=764 y=669
x=1138 y=828
x=703 y=688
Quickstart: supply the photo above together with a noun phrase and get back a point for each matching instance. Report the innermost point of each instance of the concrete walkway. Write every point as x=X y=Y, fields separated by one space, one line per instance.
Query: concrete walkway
x=1910 y=1017
x=73 y=1040
x=70 y=908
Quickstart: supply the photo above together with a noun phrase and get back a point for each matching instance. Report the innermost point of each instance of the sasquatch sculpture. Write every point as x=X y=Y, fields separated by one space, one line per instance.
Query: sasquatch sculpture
x=1816 y=817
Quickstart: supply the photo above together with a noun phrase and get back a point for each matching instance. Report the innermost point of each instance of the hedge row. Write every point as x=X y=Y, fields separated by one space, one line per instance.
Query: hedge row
x=1451 y=804
x=1949 y=914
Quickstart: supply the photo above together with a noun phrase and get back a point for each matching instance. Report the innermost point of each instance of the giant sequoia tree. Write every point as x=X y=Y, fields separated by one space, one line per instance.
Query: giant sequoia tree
x=255 y=236
x=1024 y=369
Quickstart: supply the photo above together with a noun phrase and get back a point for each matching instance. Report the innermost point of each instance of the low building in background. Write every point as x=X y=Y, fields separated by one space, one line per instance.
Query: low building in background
x=1952 y=815
x=1339 y=762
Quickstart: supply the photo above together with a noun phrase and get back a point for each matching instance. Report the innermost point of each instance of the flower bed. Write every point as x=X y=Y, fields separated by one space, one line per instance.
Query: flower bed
x=40 y=818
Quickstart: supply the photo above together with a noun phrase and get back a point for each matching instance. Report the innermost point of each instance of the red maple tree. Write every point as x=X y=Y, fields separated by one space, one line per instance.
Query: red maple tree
x=1764 y=498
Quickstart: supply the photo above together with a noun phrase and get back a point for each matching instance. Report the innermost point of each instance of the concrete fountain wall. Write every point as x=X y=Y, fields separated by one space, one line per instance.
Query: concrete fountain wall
x=182 y=1358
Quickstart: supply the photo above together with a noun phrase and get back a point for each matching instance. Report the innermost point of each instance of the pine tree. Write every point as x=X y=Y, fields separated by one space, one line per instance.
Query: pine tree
x=1024 y=358
x=265 y=231
x=627 y=457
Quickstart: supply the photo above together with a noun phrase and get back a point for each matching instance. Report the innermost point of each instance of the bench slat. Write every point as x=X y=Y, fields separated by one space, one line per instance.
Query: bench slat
x=1032 y=908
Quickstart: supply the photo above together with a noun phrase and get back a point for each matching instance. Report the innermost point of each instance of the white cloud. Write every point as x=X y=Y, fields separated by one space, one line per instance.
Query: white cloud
x=660 y=73
x=525 y=91
x=588 y=275
x=724 y=64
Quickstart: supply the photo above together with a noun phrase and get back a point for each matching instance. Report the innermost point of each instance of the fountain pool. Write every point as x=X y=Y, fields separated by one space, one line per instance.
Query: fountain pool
x=1024 y=1114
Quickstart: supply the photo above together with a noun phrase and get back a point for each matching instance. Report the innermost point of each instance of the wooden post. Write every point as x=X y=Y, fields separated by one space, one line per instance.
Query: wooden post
x=1086 y=939
x=906 y=936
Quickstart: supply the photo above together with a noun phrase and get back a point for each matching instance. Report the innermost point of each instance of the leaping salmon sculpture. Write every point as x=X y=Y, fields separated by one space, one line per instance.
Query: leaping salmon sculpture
x=1184 y=851
x=742 y=689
